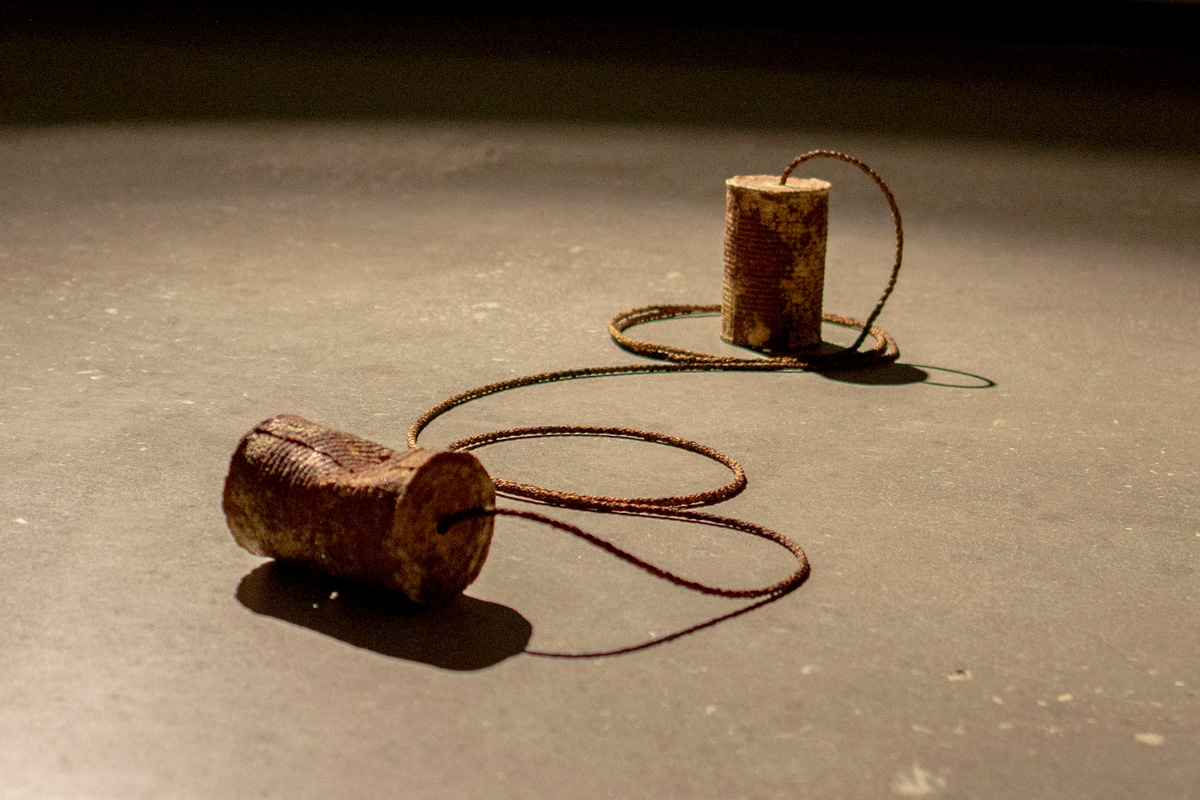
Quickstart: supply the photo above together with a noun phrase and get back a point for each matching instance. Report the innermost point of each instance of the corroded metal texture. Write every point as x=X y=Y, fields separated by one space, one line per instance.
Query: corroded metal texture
x=774 y=262
x=301 y=492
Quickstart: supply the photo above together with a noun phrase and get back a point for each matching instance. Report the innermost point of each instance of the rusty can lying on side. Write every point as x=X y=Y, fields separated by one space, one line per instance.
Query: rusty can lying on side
x=307 y=494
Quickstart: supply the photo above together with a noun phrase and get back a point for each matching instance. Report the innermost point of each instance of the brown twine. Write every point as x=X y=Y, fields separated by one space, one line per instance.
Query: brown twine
x=676 y=359
x=883 y=187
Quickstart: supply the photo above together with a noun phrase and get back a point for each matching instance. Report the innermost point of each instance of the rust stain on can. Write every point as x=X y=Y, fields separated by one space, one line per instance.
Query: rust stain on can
x=305 y=493
x=774 y=262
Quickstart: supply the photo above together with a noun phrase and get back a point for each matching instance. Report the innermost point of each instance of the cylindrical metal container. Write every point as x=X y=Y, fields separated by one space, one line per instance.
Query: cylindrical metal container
x=774 y=262
x=301 y=492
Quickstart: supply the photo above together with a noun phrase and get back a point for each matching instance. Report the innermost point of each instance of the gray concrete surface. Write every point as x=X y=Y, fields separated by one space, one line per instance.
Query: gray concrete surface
x=1004 y=532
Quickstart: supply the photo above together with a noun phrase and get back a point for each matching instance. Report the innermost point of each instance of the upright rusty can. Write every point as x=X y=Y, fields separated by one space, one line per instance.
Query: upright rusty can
x=301 y=492
x=774 y=262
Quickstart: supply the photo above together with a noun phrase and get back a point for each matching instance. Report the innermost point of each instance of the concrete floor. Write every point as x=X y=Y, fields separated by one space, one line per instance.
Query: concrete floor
x=1004 y=530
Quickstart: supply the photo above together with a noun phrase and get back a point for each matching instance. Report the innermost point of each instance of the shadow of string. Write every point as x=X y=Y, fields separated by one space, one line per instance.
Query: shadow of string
x=766 y=595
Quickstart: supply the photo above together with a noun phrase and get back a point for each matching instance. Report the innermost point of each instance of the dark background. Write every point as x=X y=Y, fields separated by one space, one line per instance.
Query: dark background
x=1116 y=74
x=213 y=214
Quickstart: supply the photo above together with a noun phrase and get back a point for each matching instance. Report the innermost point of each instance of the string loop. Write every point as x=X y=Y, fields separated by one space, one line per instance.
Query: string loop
x=676 y=359
x=895 y=209
x=587 y=502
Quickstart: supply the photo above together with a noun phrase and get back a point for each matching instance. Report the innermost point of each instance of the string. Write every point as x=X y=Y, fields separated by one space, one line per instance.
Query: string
x=674 y=359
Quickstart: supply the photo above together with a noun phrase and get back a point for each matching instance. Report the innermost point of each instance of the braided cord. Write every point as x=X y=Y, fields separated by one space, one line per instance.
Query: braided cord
x=895 y=209
x=675 y=359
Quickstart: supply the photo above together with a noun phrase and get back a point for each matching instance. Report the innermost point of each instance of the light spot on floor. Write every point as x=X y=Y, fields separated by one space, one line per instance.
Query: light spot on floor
x=1152 y=739
x=918 y=783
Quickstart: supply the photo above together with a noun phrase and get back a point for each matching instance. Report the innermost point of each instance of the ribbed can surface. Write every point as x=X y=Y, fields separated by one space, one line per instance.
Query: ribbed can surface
x=309 y=494
x=774 y=262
